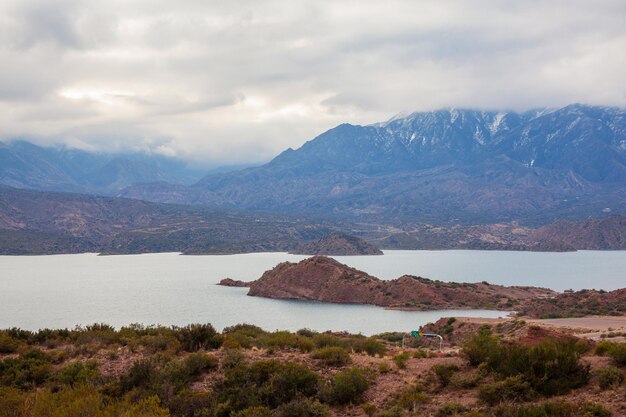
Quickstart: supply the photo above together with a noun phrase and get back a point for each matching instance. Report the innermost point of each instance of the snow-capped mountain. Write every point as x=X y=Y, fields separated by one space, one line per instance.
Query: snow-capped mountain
x=446 y=165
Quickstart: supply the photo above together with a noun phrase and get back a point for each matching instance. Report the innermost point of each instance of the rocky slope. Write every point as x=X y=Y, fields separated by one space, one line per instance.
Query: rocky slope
x=577 y=304
x=441 y=167
x=34 y=222
x=601 y=234
x=324 y=279
x=338 y=244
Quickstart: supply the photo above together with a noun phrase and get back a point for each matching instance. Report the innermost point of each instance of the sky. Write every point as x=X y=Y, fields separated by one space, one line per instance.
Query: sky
x=231 y=82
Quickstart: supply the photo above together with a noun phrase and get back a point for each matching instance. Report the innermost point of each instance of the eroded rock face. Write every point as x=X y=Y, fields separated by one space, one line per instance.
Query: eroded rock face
x=339 y=244
x=324 y=279
x=229 y=282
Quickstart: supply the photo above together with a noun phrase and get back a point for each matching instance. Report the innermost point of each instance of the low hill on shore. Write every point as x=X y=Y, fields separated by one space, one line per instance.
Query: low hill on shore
x=324 y=279
x=338 y=244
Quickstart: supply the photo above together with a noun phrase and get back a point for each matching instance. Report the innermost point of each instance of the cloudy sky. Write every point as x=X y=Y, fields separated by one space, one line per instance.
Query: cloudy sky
x=224 y=82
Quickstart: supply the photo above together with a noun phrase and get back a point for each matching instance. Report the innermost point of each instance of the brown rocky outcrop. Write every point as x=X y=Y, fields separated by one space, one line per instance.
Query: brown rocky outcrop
x=229 y=282
x=324 y=279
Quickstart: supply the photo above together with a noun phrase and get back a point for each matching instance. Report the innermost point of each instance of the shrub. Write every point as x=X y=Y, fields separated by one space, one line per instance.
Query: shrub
x=140 y=374
x=450 y=409
x=609 y=377
x=301 y=407
x=369 y=409
x=411 y=397
x=78 y=373
x=264 y=383
x=383 y=367
x=465 y=381
x=480 y=347
x=325 y=340
x=12 y=402
x=401 y=359
x=511 y=389
x=97 y=333
x=394 y=411
x=194 y=337
x=191 y=404
x=259 y=411
x=198 y=362
x=553 y=409
x=346 y=387
x=284 y=340
x=332 y=356
x=444 y=373
x=618 y=354
x=26 y=371
x=8 y=344
x=603 y=347
x=373 y=347
x=552 y=367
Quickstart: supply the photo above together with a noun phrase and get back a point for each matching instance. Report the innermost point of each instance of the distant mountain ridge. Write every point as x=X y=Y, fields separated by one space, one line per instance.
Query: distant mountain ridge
x=25 y=165
x=446 y=166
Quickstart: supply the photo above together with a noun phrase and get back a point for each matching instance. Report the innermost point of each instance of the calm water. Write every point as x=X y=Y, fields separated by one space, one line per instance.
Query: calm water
x=66 y=290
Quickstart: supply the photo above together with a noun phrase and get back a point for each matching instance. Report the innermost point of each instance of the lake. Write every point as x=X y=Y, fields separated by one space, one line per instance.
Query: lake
x=168 y=288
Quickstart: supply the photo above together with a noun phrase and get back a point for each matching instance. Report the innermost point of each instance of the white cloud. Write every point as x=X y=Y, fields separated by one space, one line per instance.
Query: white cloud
x=230 y=82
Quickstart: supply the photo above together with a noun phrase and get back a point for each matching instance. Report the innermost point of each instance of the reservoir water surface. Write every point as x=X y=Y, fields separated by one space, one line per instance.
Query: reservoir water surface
x=168 y=288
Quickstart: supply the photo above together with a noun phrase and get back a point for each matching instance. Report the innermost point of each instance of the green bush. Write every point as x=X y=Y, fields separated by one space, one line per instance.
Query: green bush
x=450 y=409
x=98 y=334
x=480 y=347
x=140 y=374
x=28 y=370
x=78 y=373
x=395 y=411
x=444 y=373
x=263 y=383
x=8 y=344
x=284 y=340
x=552 y=367
x=411 y=397
x=346 y=387
x=12 y=402
x=609 y=377
x=511 y=389
x=194 y=337
x=465 y=381
x=401 y=359
x=322 y=340
x=301 y=407
x=369 y=345
x=553 y=409
x=332 y=356
x=198 y=362
x=618 y=354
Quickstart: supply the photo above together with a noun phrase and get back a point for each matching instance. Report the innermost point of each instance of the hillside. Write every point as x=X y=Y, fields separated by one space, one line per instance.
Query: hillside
x=441 y=167
x=607 y=233
x=34 y=222
x=25 y=165
x=338 y=244
x=324 y=279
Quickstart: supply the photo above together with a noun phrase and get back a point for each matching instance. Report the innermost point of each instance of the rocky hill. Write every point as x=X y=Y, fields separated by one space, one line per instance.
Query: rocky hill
x=338 y=244
x=601 y=234
x=441 y=167
x=34 y=222
x=324 y=279
x=577 y=304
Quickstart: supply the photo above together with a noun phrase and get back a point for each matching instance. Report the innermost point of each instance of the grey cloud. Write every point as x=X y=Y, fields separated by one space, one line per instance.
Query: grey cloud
x=240 y=81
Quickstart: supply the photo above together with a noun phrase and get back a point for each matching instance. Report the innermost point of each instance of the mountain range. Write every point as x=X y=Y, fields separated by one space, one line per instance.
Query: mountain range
x=450 y=166
x=26 y=165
